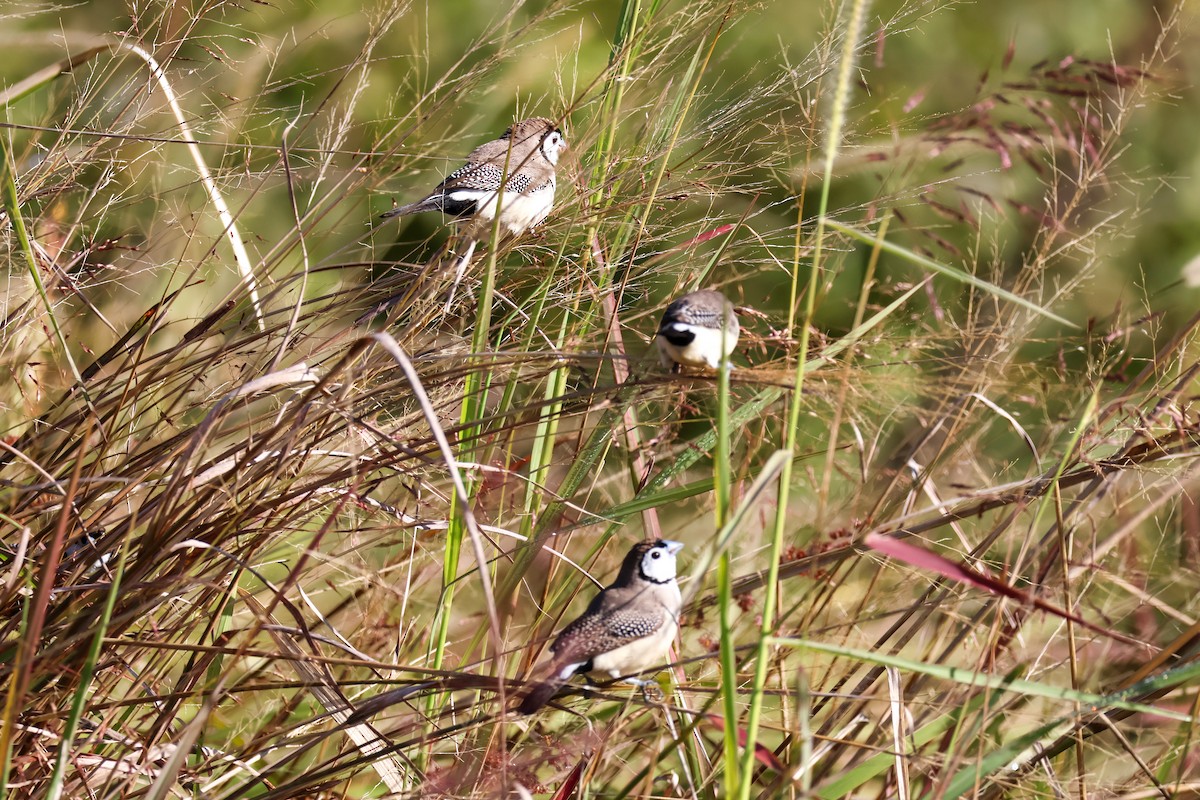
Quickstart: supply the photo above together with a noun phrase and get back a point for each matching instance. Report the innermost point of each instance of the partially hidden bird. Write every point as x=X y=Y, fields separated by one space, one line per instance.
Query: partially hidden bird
x=697 y=330
x=626 y=629
x=527 y=153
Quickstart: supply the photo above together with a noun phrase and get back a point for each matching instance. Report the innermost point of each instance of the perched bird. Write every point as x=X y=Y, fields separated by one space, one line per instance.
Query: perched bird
x=698 y=329
x=627 y=628
x=530 y=150
x=527 y=153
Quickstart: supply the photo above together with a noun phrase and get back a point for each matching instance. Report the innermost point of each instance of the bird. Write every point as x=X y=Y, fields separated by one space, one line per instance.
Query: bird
x=699 y=329
x=627 y=628
x=527 y=153
x=530 y=150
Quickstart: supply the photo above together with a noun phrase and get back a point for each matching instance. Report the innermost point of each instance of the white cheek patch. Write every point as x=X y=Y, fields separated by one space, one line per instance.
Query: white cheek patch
x=659 y=569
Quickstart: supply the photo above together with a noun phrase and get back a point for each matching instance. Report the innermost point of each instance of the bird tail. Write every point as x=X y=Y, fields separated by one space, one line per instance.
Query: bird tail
x=410 y=208
x=539 y=695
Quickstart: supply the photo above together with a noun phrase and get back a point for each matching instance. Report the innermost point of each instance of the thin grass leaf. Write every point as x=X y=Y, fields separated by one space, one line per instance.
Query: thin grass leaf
x=950 y=272
x=1091 y=702
x=921 y=558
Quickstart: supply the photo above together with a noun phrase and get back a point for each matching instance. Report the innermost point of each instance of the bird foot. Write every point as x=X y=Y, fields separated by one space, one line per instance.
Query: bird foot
x=460 y=269
x=651 y=691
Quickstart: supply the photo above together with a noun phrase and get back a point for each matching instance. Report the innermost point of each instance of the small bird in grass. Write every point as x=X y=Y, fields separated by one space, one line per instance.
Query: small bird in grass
x=529 y=150
x=627 y=628
x=699 y=329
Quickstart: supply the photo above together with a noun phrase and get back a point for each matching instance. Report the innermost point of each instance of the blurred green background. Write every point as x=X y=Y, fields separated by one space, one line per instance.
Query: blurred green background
x=456 y=72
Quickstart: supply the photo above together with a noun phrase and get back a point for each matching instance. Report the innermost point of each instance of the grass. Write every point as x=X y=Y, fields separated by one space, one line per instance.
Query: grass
x=275 y=523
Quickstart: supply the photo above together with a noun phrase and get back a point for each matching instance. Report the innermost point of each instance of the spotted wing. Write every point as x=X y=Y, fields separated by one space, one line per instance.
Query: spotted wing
x=689 y=313
x=462 y=191
x=613 y=619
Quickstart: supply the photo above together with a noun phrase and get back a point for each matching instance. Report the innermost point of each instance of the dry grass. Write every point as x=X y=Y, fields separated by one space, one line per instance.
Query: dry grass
x=296 y=532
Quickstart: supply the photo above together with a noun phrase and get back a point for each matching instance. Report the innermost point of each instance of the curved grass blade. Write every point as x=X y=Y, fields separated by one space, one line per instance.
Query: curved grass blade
x=950 y=272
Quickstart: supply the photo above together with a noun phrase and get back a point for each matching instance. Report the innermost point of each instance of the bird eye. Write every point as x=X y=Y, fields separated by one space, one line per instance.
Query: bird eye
x=655 y=554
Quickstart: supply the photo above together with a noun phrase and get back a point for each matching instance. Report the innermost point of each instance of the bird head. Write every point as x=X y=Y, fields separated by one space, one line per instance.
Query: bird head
x=651 y=561
x=537 y=132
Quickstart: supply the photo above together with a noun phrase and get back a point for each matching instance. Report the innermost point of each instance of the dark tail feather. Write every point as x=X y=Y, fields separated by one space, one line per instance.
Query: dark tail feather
x=400 y=211
x=438 y=201
x=538 y=696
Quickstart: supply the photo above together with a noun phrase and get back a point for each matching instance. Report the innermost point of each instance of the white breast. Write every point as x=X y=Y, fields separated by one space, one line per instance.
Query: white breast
x=520 y=211
x=704 y=350
x=645 y=652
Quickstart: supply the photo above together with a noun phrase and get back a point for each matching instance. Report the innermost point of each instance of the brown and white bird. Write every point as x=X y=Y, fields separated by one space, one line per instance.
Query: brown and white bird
x=699 y=329
x=528 y=154
x=627 y=628
x=530 y=150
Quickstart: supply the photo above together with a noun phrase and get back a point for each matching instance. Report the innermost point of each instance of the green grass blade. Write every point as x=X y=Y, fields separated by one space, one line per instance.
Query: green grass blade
x=852 y=779
x=949 y=272
x=985 y=680
x=83 y=690
x=26 y=86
